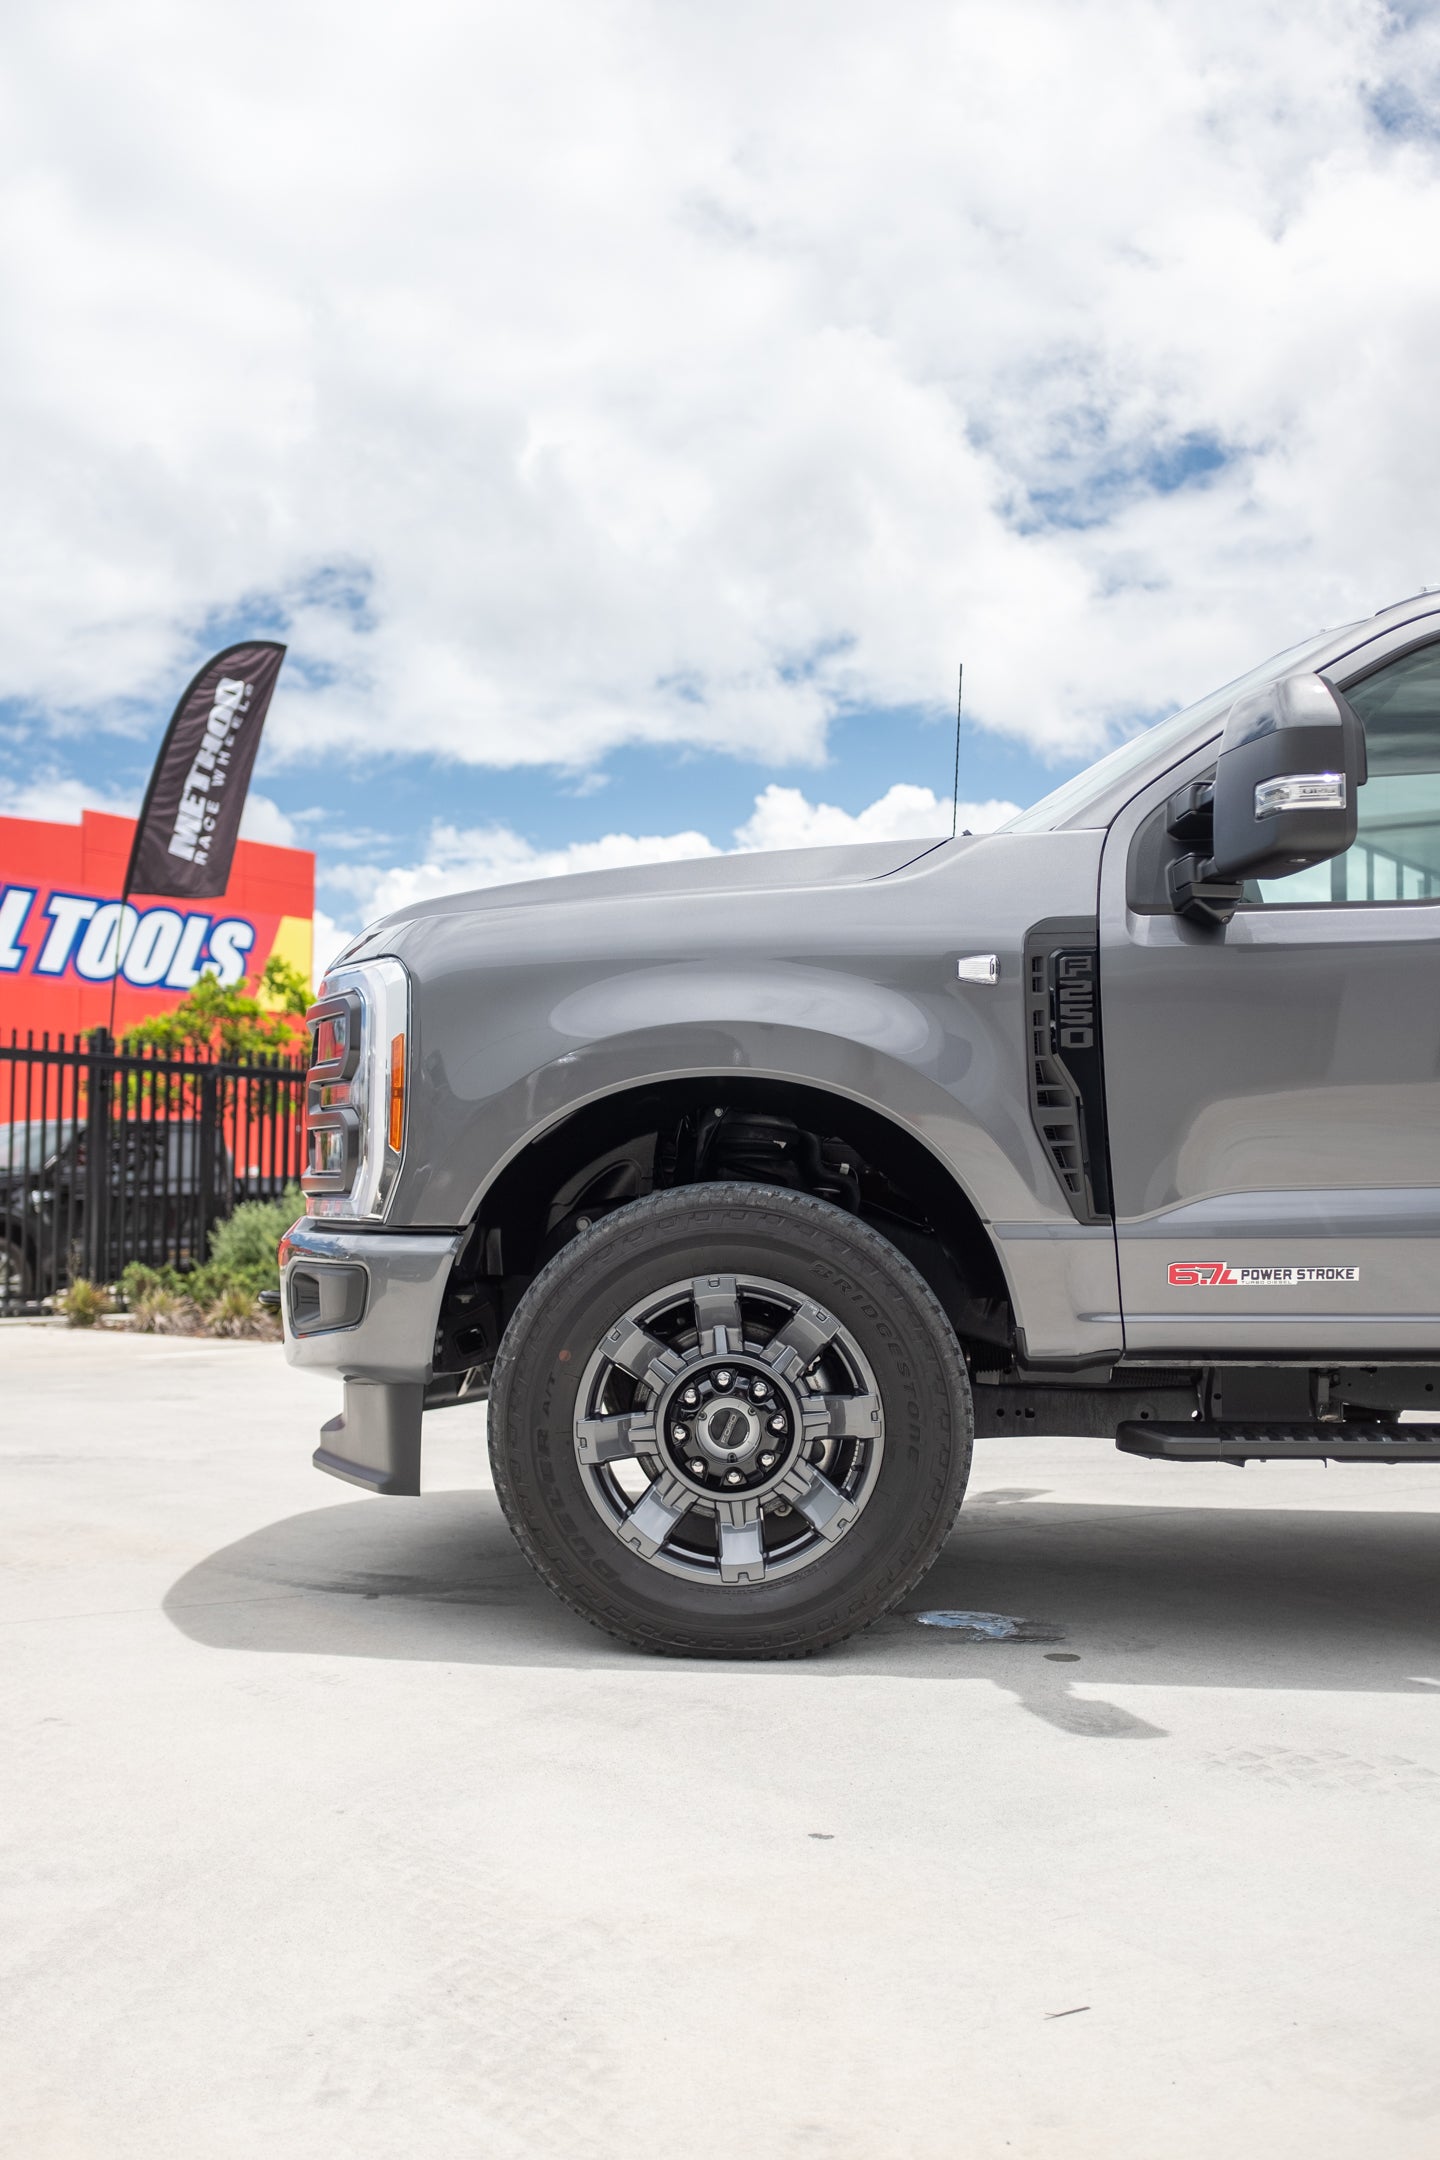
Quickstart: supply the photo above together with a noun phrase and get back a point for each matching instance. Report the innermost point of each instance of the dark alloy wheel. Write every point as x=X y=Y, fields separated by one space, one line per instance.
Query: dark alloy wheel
x=730 y=1421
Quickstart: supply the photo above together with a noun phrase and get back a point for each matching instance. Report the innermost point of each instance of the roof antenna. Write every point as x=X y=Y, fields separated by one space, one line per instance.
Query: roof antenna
x=955 y=790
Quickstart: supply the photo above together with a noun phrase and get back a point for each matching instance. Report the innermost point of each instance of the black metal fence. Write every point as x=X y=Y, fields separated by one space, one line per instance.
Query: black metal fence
x=110 y=1154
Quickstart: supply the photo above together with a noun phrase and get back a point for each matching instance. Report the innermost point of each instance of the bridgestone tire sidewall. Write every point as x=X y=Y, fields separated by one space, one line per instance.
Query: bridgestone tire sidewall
x=822 y=1254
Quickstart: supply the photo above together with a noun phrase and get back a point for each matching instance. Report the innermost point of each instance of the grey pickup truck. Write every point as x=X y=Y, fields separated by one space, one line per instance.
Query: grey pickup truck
x=750 y=1189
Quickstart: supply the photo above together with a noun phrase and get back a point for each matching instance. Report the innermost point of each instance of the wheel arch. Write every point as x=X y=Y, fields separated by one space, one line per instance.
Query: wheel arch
x=719 y=1127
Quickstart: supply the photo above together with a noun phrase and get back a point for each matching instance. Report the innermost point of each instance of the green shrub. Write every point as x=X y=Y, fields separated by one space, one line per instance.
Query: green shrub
x=84 y=1302
x=157 y=1302
x=235 y=1312
x=139 y=1282
x=243 y=1250
x=220 y=1297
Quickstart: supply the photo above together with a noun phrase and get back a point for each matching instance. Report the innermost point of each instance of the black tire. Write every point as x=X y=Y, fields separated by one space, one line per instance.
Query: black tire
x=883 y=1310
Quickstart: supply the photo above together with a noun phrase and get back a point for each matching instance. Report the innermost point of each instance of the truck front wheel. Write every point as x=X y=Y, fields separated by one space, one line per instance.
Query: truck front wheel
x=730 y=1421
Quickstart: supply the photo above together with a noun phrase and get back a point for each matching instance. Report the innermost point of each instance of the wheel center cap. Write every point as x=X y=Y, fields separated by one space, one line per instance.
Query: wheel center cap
x=728 y=1432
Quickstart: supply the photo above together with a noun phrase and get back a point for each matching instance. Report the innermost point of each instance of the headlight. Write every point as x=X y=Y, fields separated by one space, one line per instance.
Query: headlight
x=355 y=1096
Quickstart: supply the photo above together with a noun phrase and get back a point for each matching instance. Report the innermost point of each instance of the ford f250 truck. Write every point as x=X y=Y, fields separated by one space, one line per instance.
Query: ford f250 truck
x=751 y=1188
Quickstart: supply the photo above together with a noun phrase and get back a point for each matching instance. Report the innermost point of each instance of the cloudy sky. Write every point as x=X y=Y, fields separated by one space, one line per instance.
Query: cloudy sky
x=630 y=414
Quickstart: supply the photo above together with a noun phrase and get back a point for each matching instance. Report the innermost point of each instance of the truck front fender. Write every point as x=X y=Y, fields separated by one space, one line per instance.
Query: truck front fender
x=943 y=1068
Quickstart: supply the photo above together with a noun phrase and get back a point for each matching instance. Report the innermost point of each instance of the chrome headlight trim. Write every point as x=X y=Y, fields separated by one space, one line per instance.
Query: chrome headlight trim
x=349 y=1094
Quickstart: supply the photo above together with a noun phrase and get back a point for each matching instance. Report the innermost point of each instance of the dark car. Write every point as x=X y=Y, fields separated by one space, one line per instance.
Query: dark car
x=161 y=1186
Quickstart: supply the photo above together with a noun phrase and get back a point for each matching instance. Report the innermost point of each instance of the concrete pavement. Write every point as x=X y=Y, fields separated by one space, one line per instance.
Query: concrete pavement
x=328 y=1832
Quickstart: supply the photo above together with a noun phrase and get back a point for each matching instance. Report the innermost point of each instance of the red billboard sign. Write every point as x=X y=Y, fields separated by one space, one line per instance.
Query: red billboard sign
x=63 y=930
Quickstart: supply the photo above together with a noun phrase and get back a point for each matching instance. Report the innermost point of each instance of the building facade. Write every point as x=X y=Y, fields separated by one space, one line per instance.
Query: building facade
x=63 y=931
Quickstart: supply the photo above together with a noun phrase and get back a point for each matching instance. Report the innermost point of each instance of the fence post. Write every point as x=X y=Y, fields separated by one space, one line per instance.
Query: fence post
x=99 y=1112
x=209 y=1126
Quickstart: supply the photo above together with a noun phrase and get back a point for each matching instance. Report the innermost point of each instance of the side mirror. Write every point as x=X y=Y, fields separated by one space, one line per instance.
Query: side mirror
x=1291 y=765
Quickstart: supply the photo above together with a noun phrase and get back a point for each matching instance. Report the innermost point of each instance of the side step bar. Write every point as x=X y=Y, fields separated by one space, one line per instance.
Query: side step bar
x=1388 y=1442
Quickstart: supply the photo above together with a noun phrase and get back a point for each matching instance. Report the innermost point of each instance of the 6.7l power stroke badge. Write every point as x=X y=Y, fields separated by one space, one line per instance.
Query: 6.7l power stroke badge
x=1223 y=1275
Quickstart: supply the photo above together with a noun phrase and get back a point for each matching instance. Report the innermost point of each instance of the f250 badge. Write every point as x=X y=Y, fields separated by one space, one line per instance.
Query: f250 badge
x=1220 y=1275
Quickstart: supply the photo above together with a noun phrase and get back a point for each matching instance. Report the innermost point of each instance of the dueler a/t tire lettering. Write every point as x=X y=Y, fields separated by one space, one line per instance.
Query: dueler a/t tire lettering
x=811 y=1454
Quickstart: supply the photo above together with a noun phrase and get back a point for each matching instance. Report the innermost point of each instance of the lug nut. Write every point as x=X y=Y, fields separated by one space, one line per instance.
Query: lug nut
x=723 y=1378
x=696 y=1468
x=733 y=1477
x=777 y=1424
x=691 y=1396
x=767 y=1460
x=678 y=1432
x=759 y=1391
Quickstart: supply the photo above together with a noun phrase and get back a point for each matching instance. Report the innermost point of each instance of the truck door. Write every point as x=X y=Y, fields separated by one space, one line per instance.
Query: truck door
x=1273 y=1086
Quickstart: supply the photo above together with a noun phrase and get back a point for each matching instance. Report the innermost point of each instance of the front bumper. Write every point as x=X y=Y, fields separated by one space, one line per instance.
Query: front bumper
x=365 y=1304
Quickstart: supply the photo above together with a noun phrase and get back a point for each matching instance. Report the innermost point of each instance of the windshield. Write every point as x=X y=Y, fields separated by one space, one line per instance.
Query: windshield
x=1063 y=805
x=29 y=1146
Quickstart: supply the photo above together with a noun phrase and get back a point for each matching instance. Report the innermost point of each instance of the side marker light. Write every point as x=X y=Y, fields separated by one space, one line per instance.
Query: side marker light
x=397 y=1093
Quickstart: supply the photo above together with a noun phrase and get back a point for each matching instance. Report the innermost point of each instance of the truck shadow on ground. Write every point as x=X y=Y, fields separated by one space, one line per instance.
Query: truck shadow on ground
x=1114 y=1597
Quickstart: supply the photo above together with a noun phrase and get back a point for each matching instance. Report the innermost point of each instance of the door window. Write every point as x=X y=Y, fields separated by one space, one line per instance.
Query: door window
x=1396 y=855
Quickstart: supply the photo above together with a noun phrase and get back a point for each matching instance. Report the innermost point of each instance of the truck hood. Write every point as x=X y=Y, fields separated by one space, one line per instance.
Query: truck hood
x=723 y=875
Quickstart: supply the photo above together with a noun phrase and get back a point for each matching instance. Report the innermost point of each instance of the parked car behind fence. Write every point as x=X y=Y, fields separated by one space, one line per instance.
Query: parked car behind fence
x=111 y=1154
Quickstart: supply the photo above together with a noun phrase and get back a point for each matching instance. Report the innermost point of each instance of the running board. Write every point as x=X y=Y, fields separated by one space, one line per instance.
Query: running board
x=1388 y=1442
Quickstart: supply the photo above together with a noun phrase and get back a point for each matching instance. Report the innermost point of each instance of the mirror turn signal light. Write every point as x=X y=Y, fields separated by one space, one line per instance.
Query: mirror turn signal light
x=1300 y=791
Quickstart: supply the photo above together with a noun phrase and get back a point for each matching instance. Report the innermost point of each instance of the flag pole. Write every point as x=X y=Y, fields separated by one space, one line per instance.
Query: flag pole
x=115 y=971
x=955 y=789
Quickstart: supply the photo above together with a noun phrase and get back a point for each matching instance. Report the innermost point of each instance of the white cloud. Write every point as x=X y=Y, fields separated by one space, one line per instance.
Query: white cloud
x=646 y=373
x=461 y=861
x=783 y=818
x=263 y=819
x=58 y=800
x=329 y=939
